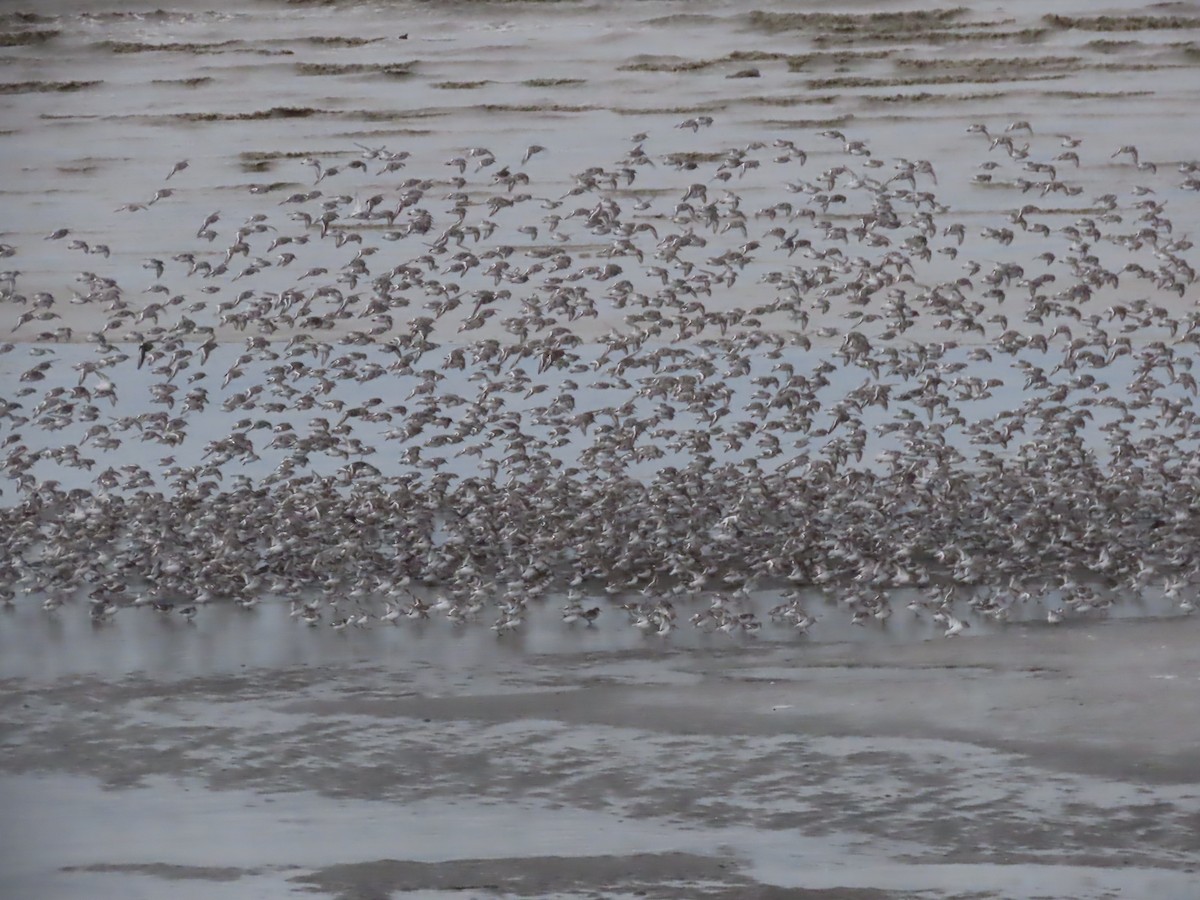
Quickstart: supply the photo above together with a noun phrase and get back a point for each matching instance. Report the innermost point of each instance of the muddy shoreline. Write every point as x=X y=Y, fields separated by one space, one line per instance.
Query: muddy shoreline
x=238 y=753
x=1037 y=762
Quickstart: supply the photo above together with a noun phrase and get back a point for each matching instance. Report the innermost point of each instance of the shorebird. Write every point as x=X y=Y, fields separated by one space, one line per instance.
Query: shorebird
x=431 y=384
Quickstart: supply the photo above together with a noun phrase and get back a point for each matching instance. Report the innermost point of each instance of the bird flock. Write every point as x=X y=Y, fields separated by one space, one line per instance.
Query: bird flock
x=470 y=391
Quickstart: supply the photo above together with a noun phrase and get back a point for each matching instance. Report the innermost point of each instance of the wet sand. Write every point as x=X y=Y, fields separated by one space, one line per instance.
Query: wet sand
x=1041 y=762
x=212 y=762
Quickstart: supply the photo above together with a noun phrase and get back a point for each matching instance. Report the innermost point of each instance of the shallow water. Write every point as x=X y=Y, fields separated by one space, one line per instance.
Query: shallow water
x=74 y=156
x=244 y=754
x=1027 y=766
x=223 y=638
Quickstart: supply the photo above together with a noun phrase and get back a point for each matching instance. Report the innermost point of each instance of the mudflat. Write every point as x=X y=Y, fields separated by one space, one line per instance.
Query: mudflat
x=1037 y=762
x=236 y=753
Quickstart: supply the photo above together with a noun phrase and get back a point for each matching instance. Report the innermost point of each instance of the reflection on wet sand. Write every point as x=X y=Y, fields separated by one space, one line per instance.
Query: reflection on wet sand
x=1016 y=766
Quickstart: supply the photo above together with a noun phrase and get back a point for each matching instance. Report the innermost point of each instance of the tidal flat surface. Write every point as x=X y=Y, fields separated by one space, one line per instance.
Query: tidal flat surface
x=839 y=749
x=1036 y=763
